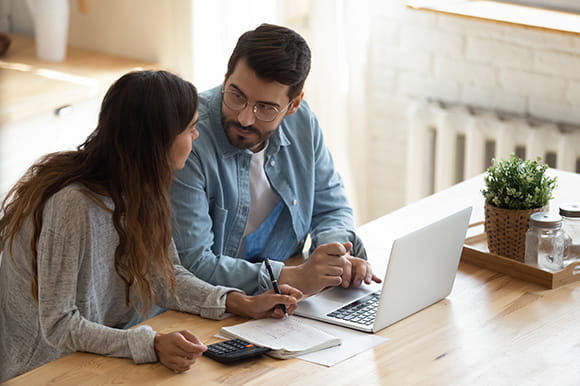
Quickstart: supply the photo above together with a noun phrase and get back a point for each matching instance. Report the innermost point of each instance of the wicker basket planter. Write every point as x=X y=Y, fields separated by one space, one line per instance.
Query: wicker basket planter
x=506 y=230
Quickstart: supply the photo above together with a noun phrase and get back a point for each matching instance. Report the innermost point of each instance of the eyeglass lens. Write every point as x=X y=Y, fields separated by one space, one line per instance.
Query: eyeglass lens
x=238 y=102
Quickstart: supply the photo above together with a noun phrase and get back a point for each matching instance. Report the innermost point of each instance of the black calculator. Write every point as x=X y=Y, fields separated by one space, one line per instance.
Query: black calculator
x=234 y=350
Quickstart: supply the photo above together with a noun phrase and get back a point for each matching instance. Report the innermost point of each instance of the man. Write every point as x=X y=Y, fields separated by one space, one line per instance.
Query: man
x=259 y=179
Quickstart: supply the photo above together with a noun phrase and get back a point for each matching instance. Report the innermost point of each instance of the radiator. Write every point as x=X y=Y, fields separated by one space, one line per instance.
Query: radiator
x=450 y=143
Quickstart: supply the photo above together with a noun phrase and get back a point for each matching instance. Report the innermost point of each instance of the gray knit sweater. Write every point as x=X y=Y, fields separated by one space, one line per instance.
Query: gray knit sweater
x=81 y=297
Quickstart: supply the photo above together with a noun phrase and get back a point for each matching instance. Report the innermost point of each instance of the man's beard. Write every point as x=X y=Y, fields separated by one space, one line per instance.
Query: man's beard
x=242 y=142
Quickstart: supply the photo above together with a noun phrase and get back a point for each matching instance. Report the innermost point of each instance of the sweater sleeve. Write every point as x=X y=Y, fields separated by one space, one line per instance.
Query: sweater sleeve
x=63 y=240
x=194 y=295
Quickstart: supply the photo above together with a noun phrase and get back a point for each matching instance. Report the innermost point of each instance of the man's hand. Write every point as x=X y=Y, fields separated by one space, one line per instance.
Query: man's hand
x=357 y=270
x=360 y=271
x=330 y=265
x=178 y=350
x=264 y=305
x=324 y=268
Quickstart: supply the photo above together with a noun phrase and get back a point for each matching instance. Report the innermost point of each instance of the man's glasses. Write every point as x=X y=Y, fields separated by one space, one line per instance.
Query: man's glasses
x=263 y=111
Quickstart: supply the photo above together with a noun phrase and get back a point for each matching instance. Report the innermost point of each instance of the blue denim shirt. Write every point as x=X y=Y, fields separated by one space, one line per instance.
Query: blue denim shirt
x=211 y=199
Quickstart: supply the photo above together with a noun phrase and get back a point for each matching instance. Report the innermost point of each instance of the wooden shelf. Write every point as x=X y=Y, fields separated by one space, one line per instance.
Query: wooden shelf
x=522 y=15
x=30 y=86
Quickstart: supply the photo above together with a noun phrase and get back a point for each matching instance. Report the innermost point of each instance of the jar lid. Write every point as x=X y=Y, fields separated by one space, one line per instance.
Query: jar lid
x=545 y=220
x=570 y=210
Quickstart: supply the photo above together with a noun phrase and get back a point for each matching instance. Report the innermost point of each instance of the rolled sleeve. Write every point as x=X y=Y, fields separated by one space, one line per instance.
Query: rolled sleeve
x=340 y=236
x=214 y=306
x=265 y=283
x=141 y=344
x=195 y=296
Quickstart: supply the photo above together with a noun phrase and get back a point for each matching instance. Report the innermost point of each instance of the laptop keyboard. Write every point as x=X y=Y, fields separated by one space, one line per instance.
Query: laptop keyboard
x=361 y=311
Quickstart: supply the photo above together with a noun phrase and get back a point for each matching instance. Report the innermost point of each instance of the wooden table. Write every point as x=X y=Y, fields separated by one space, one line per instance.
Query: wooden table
x=491 y=330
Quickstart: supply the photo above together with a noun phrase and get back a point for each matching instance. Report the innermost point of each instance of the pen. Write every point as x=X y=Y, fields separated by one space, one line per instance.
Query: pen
x=274 y=283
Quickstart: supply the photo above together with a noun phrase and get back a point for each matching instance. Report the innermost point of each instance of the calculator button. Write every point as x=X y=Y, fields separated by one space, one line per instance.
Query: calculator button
x=233 y=350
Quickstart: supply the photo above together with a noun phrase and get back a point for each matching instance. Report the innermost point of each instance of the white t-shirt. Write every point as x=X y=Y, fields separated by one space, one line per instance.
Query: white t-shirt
x=263 y=199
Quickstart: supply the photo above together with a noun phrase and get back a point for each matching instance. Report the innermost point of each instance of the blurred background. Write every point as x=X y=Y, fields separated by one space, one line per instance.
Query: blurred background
x=411 y=100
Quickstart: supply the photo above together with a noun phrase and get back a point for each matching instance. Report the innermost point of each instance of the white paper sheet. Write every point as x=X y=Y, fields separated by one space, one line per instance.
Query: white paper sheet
x=353 y=343
x=286 y=337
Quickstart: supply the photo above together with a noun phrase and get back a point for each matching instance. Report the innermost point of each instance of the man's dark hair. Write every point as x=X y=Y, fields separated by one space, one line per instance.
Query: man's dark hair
x=275 y=53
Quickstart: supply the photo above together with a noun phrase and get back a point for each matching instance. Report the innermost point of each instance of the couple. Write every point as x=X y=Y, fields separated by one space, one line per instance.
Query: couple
x=88 y=235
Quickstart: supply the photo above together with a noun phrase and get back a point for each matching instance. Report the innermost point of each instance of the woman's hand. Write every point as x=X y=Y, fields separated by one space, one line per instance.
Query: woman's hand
x=264 y=305
x=178 y=350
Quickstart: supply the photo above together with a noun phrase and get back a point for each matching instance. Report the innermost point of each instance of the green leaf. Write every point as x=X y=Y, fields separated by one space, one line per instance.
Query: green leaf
x=518 y=184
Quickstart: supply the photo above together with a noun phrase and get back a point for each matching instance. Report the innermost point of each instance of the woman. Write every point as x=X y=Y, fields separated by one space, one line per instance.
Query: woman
x=86 y=237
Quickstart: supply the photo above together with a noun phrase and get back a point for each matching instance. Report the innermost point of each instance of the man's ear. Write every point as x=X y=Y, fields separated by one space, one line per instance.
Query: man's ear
x=295 y=104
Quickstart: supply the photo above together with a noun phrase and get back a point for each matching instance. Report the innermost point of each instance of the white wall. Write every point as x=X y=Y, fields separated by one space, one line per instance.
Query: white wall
x=419 y=55
x=150 y=30
x=413 y=55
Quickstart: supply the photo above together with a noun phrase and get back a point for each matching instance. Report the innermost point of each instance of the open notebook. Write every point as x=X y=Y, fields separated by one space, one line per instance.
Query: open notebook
x=288 y=337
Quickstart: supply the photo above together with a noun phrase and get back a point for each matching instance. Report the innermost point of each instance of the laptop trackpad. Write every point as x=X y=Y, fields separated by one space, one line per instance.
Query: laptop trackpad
x=331 y=299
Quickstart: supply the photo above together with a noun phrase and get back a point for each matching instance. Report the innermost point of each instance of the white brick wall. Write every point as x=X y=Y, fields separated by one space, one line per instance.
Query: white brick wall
x=572 y=93
x=564 y=65
x=428 y=39
x=498 y=53
x=533 y=84
x=451 y=68
x=418 y=55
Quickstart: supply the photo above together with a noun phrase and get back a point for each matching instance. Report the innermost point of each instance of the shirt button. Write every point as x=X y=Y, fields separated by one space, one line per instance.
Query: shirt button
x=272 y=163
x=294 y=202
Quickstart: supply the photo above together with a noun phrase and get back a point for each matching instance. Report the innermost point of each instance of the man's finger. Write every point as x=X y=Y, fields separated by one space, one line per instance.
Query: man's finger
x=369 y=275
x=331 y=281
x=336 y=249
x=347 y=246
x=332 y=260
x=347 y=274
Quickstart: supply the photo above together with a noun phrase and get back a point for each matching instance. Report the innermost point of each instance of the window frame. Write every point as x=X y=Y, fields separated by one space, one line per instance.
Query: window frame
x=558 y=5
x=502 y=11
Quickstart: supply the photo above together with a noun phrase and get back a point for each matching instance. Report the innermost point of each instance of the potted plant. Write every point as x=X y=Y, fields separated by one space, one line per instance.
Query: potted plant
x=514 y=189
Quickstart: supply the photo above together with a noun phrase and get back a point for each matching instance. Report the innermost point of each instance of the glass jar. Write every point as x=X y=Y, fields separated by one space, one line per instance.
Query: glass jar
x=571 y=225
x=546 y=243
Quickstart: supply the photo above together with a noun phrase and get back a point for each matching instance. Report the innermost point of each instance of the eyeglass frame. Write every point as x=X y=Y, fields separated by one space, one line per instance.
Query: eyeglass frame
x=254 y=107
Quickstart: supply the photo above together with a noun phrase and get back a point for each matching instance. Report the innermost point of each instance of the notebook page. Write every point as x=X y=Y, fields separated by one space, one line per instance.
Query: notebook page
x=287 y=334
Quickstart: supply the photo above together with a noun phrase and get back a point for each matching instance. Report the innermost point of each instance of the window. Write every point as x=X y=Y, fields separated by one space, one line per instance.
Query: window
x=540 y=14
x=560 y=5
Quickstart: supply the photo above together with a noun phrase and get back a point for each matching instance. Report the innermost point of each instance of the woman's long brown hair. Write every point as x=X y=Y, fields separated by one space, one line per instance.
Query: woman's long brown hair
x=128 y=158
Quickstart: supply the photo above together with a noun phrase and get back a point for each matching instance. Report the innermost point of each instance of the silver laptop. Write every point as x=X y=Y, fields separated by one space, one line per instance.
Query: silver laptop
x=420 y=272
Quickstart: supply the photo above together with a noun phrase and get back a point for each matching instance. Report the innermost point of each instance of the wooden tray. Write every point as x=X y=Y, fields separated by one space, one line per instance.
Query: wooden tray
x=475 y=252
